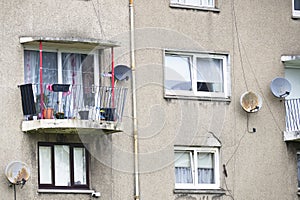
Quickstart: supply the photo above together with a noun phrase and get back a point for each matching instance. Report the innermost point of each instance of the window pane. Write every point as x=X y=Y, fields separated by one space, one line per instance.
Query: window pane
x=210 y=75
x=193 y=2
x=297 y=4
x=177 y=73
x=32 y=67
x=88 y=80
x=206 y=168
x=45 y=165
x=79 y=166
x=183 y=168
x=62 y=165
x=72 y=74
x=72 y=68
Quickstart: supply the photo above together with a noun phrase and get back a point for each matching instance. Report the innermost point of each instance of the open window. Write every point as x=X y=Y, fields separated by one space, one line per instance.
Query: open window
x=195 y=4
x=197 y=75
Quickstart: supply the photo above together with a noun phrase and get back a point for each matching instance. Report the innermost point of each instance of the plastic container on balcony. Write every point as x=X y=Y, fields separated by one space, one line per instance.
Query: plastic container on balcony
x=48 y=113
x=84 y=114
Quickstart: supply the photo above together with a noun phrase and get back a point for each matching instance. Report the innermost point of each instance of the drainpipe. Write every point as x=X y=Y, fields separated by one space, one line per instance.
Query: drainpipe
x=134 y=116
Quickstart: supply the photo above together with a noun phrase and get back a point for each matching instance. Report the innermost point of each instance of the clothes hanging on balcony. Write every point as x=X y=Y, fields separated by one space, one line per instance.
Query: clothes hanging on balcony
x=27 y=99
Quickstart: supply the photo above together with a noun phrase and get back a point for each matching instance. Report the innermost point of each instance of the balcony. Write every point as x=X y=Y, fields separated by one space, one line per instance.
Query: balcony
x=292 y=109
x=63 y=108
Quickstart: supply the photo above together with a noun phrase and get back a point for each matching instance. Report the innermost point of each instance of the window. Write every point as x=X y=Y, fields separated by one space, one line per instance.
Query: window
x=63 y=166
x=63 y=67
x=296 y=8
x=196 y=168
x=194 y=3
x=196 y=75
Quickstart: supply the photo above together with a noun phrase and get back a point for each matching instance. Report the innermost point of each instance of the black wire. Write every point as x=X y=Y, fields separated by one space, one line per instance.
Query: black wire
x=97 y=13
x=230 y=194
x=236 y=148
x=238 y=42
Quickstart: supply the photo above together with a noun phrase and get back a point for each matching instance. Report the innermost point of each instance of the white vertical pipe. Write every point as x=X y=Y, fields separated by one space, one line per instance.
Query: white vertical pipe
x=134 y=115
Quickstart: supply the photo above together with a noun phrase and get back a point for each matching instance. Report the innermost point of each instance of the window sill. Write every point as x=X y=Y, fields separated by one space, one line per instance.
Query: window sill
x=65 y=191
x=194 y=7
x=201 y=191
x=201 y=98
x=295 y=17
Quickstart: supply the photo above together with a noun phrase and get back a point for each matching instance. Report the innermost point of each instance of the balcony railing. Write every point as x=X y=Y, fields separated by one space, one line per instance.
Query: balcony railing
x=66 y=102
x=292 y=109
x=292 y=120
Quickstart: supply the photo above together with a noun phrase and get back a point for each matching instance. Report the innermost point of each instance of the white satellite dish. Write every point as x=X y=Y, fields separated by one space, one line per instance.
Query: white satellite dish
x=251 y=102
x=280 y=87
x=17 y=172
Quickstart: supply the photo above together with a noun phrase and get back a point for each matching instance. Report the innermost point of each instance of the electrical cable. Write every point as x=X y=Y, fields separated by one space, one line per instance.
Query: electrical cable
x=238 y=42
x=236 y=148
x=97 y=13
x=261 y=91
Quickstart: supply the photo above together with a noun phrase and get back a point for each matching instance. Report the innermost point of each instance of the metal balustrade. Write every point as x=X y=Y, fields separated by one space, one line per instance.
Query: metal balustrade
x=292 y=109
x=61 y=101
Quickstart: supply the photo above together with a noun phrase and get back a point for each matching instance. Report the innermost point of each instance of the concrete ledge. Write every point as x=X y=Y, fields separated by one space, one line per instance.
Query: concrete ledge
x=291 y=136
x=173 y=5
x=204 y=191
x=65 y=191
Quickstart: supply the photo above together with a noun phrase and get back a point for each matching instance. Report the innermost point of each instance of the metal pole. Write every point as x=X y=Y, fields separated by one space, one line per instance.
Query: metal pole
x=112 y=78
x=15 y=193
x=134 y=115
x=41 y=79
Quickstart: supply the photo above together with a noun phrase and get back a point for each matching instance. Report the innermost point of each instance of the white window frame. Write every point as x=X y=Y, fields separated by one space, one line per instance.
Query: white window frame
x=194 y=164
x=296 y=13
x=225 y=95
x=202 y=4
x=59 y=53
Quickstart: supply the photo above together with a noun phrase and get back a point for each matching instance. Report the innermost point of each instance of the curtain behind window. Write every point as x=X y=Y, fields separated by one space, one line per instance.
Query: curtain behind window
x=79 y=166
x=210 y=71
x=32 y=67
x=183 y=168
x=72 y=74
x=205 y=168
x=62 y=165
x=45 y=165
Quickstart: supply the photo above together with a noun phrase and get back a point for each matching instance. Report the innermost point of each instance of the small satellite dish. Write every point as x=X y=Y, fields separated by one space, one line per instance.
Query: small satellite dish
x=122 y=72
x=280 y=87
x=251 y=102
x=17 y=172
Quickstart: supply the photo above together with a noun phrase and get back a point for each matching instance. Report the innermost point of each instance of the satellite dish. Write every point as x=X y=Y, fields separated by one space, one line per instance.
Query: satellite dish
x=280 y=87
x=251 y=102
x=122 y=72
x=17 y=172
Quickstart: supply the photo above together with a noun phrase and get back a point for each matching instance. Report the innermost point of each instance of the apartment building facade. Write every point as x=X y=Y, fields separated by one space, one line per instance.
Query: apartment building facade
x=145 y=100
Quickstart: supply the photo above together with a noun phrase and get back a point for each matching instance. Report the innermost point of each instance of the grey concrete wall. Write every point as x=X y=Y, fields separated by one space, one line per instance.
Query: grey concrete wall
x=255 y=34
